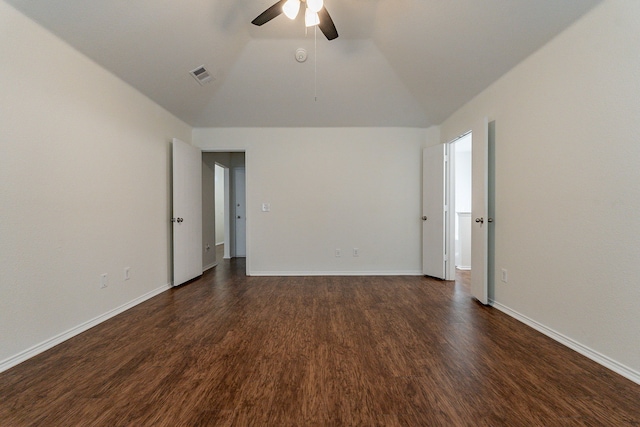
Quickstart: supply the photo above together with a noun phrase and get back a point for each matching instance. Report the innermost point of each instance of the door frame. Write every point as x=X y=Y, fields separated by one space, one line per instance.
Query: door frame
x=229 y=223
x=227 y=213
x=450 y=237
x=482 y=260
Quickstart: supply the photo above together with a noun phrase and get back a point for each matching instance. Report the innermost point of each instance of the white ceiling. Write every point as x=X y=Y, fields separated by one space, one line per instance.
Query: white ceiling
x=396 y=62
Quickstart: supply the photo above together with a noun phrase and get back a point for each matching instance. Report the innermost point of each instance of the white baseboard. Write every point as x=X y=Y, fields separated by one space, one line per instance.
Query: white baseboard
x=463 y=267
x=597 y=357
x=51 y=342
x=336 y=273
x=209 y=267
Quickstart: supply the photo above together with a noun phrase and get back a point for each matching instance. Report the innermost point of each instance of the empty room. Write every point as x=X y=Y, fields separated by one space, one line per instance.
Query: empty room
x=258 y=212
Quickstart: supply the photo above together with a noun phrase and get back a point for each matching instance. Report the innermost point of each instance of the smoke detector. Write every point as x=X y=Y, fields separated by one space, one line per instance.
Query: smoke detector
x=201 y=75
x=301 y=55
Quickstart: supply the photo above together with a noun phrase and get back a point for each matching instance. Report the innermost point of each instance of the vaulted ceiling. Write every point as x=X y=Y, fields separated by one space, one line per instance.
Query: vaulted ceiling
x=396 y=62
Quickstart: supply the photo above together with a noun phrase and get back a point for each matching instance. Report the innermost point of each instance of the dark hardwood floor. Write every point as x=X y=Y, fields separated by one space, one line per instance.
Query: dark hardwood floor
x=232 y=350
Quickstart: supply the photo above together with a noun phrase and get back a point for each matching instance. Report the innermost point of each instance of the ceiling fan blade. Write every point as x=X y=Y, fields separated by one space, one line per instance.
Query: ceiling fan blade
x=326 y=25
x=269 y=14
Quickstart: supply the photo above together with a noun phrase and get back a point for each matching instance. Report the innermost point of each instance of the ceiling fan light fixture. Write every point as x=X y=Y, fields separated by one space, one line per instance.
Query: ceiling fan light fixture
x=291 y=8
x=315 y=5
x=311 y=18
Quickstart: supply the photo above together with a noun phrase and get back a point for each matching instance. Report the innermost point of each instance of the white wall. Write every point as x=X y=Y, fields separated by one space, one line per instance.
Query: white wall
x=567 y=193
x=330 y=188
x=463 y=174
x=84 y=174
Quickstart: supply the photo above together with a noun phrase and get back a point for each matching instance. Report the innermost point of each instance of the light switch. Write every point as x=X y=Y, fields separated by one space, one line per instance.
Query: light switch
x=266 y=207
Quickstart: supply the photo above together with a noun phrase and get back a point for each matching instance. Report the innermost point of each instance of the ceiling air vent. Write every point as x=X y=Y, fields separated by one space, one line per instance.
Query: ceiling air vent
x=201 y=75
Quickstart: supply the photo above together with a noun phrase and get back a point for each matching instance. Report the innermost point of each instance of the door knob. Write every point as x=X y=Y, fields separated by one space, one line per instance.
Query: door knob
x=238 y=216
x=489 y=219
x=424 y=218
x=480 y=220
x=180 y=219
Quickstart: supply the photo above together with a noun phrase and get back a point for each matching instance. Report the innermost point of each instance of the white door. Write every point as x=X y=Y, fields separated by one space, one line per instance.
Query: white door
x=240 y=213
x=480 y=214
x=187 y=212
x=433 y=211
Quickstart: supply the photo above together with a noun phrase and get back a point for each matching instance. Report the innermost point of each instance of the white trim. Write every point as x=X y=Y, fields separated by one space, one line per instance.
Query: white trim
x=209 y=267
x=337 y=273
x=76 y=330
x=597 y=357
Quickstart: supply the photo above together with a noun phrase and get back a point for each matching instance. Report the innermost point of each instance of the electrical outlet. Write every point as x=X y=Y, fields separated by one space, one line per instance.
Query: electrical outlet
x=356 y=252
x=127 y=273
x=103 y=280
x=504 y=275
x=338 y=253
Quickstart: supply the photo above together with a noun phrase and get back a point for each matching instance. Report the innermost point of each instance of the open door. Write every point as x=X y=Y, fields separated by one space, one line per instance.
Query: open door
x=433 y=211
x=187 y=212
x=480 y=212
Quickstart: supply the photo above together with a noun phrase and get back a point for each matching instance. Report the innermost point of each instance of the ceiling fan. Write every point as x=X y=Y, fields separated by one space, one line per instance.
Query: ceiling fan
x=315 y=14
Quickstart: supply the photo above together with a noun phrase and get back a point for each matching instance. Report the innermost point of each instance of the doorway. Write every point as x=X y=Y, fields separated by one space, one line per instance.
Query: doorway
x=223 y=217
x=447 y=207
x=460 y=221
x=482 y=219
x=439 y=212
x=221 y=183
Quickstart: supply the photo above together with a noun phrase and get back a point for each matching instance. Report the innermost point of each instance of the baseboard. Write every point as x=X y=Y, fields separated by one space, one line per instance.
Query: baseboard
x=597 y=357
x=52 y=342
x=336 y=273
x=209 y=267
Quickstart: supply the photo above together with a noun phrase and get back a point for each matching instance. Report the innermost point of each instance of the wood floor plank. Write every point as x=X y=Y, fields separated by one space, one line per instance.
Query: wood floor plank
x=231 y=350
